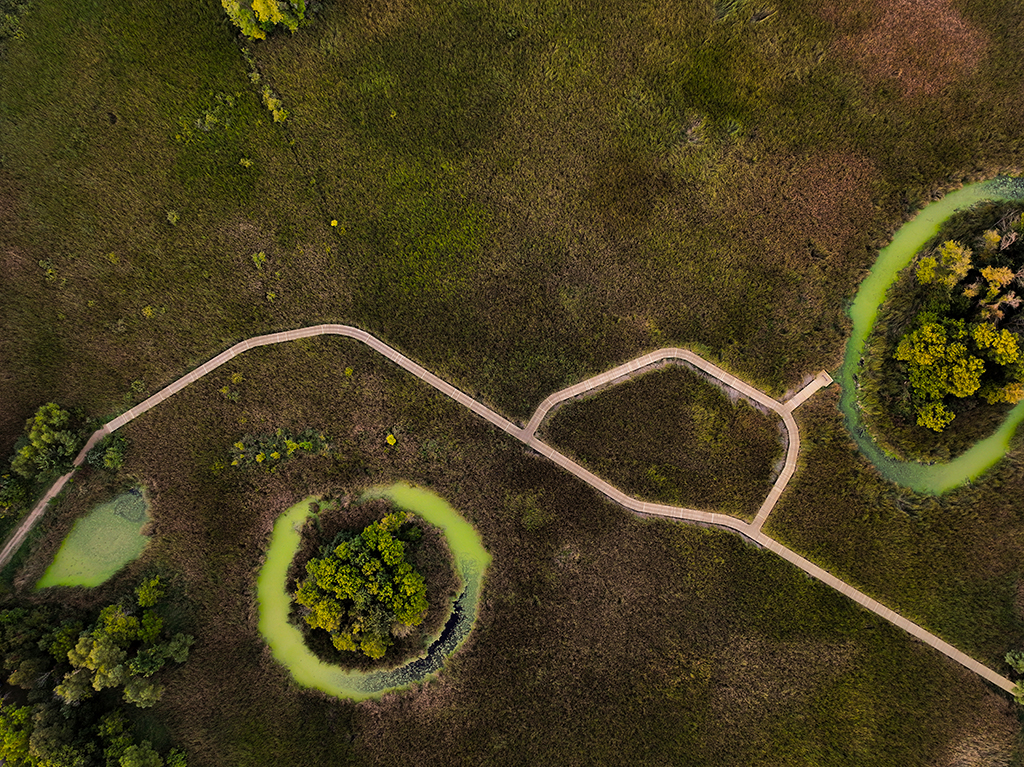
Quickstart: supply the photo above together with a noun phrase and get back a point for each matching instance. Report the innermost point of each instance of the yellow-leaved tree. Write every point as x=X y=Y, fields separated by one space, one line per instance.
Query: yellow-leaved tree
x=255 y=18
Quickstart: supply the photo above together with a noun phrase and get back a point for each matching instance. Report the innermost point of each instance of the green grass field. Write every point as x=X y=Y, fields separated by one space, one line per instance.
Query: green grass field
x=526 y=193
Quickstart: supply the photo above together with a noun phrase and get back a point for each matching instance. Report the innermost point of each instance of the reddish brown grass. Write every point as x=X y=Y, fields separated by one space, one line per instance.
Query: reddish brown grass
x=823 y=197
x=924 y=44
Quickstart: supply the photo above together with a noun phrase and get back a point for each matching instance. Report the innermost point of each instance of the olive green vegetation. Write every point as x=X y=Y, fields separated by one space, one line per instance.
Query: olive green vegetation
x=673 y=437
x=952 y=320
x=525 y=194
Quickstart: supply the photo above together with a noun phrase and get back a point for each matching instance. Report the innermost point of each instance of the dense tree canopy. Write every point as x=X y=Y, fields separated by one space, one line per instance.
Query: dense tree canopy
x=364 y=589
x=50 y=442
x=76 y=676
x=966 y=344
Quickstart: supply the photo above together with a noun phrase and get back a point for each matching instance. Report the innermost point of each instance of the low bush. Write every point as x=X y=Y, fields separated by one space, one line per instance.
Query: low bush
x=269 y=450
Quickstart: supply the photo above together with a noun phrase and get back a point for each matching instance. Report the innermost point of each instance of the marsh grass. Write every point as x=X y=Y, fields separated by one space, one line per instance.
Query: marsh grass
x=950 y=562
x=590 y=618
x=560 y=188
x=671 y=436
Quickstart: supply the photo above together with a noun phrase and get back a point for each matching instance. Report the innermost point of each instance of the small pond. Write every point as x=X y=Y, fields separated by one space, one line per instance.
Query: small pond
x=100 y=543
x=285 y=639
x=912 y=236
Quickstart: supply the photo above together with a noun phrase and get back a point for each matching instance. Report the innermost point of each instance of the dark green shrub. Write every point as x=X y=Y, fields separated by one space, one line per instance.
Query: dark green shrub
x=109 y=453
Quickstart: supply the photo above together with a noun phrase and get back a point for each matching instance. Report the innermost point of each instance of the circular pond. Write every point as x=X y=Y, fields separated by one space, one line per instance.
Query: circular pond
x=912 y=236
x=285 y=639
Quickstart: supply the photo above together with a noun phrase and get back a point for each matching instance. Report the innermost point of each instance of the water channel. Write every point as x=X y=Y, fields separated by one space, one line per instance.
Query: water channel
x=285 y=639
x=912 y=236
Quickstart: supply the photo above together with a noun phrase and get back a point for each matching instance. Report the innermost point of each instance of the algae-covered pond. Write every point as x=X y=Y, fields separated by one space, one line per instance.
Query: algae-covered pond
x=100 y=543
x=913 y=236
x=285 y=639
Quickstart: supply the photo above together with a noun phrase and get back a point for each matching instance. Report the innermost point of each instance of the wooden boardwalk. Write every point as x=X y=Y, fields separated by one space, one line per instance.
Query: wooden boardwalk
x=527 y=435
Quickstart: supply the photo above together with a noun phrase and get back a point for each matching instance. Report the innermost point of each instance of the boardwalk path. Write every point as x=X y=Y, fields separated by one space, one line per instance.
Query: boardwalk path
x=528 y=436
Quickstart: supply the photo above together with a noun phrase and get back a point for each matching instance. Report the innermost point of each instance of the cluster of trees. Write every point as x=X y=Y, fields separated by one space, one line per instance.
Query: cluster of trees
x=363 y=591
x=72 y=672
x=269 y=450
x=46 y=449
x=965 y=345
x=255 y=18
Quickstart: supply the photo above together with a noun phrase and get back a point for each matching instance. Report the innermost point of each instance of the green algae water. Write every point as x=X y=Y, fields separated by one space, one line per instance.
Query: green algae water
x=100 y=543
x=927 y=478
x=285 y=640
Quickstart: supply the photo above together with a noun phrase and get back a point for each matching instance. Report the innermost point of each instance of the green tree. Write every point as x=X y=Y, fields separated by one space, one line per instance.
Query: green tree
x=935 y=416
x=141 y=755
x=109 y=453
x=999 y=345
x=149 y=592
x=178 y=647
x=939 y=362
x=122 y=628
x=59 y=642
x=15 y=731
x=363 y=589
x=947 y=358
x=148 y=661
x=151 y=627
x=142 y=692
x=49 y=443
x=30 y=672
x=75 y=687
x=951 y=264
x=255 y=18
x=100 y=654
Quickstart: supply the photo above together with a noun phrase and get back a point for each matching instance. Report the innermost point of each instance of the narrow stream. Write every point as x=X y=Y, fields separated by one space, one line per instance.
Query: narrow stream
x=933 y=478
x=285 y=640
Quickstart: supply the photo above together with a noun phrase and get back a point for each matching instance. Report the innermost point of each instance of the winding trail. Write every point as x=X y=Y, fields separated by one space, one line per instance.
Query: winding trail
x=528 y=436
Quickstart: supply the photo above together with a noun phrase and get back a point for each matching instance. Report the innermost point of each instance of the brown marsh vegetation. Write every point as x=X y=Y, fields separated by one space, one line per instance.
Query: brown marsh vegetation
x=526 y=194
x=672 y=436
